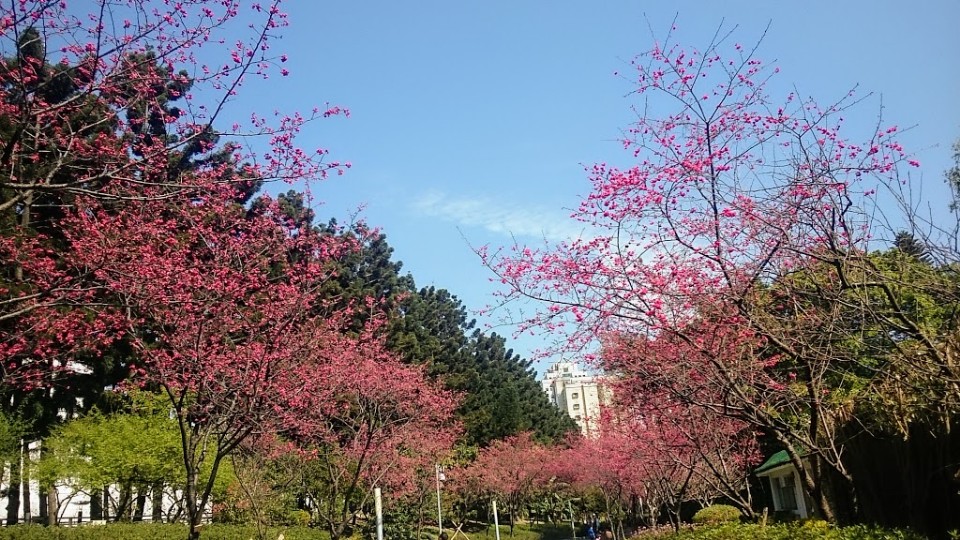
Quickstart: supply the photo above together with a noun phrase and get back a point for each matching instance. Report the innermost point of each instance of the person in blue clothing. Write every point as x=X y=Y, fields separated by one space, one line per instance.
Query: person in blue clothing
x=591 y=532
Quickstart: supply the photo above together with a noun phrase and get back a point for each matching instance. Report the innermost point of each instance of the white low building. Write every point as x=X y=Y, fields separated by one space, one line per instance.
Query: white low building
x=73 y=504
x=787 y=492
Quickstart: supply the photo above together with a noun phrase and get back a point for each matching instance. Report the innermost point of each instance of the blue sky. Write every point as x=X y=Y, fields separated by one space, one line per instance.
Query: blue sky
x=472 y=121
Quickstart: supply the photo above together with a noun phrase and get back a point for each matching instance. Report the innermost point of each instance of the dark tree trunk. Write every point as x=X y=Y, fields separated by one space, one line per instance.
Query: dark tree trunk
x=190 y=503
x=140 y=503
x=53 y=507
x=157 y=502
x=96 y=504
x=13 y=495
x=123 y=503
x=43 y=512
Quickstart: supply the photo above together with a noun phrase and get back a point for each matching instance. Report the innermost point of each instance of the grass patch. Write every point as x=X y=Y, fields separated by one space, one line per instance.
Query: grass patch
x=522 y=531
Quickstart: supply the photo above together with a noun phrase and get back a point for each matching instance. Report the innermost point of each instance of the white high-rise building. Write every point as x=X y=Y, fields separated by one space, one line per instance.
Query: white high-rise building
x=577 y=393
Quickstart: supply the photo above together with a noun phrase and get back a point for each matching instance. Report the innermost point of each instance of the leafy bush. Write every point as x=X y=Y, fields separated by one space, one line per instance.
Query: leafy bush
x=718 y=513
x=300 y=518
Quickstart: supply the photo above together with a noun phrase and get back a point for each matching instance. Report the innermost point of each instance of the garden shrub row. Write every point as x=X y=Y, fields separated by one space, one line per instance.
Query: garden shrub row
x=152 y=531
x=806 y=530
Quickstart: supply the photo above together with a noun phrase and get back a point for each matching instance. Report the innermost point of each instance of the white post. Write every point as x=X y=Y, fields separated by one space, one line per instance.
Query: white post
x=798 y=494
x=439 y=507
x=496 y=520
x=573 y=522
x=378 y=504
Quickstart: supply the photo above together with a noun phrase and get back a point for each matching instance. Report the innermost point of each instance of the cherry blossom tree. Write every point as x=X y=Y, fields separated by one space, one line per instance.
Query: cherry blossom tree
x=98 y=106
x=654 y=456
x=730 y=269
x=512 y=470
x=107 y=85
x=93 y=110
x=718 y=450
x=221 y=307
x=364 y=419
x=612 y=465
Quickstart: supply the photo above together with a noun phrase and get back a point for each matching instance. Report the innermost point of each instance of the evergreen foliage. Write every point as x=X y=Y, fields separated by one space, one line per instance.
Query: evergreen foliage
x=908 y=244
x=430 y=326
x=952 y=176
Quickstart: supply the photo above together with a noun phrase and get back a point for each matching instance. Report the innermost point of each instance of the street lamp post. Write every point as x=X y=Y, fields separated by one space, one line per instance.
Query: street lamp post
x=378 y=506
x=440 y=478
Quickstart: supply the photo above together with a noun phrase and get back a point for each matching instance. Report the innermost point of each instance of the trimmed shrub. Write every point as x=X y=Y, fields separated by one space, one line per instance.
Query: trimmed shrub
x=299 y=518
x=718 y=513
x=805 y=530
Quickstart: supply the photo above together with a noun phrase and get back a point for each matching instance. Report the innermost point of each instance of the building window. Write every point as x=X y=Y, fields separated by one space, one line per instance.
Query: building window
x=787 y=490
x=574 y=396
x=577 y=418
x=576 y=406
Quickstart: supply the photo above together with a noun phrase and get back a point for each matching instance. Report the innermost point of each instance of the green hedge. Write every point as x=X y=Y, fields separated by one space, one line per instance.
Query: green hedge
x=718 y=513
x=807 y=530
x=152 y=531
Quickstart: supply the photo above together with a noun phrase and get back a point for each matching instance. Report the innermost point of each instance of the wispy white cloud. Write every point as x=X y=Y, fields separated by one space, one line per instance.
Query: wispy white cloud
x=506 y=218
